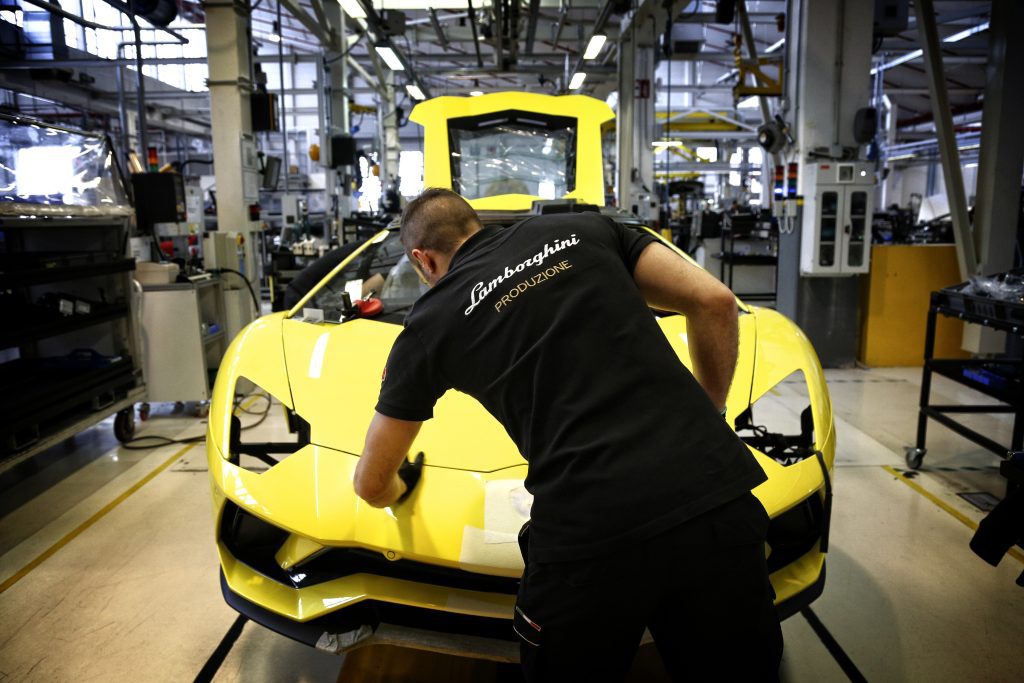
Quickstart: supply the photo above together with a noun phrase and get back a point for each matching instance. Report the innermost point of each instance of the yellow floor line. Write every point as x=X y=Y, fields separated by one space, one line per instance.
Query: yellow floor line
x=1015 y=553
x=49 y=552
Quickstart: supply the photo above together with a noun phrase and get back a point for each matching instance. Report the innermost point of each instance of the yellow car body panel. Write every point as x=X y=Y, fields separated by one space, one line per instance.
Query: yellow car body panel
x=464 y=516
x=335 y=385
x=590 y=114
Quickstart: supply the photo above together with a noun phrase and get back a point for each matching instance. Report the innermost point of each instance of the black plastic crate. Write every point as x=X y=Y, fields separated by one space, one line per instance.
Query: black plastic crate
x=1006 y=315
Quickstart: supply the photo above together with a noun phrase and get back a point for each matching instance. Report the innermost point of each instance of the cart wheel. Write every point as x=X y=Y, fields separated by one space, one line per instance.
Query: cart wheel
x=915 y=456
x=143 y=411
x=124 y=425
x=202 y=409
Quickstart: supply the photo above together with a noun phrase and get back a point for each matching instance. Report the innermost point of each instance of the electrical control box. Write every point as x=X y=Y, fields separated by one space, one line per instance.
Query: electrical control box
x=224 y=250
x=839 y=201
x=159 y=198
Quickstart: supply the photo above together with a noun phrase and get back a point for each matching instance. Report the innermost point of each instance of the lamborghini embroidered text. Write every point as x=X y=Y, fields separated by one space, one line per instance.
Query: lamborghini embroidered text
x=533 y=281
x=482 y=290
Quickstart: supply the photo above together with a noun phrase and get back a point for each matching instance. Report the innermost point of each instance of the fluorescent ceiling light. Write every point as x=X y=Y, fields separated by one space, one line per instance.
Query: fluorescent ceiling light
x=390 y=57
x=353 y=9
x=577 y=80
x=748 y=103
x=775 y=46
x=414 y=91
x=476 y=93
x=917 y=54
x=966 y=33
x=594 y=46
x=667 y=143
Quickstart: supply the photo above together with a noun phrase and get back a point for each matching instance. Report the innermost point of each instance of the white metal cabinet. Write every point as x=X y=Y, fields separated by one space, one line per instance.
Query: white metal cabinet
x=837 y=219
x=185 y=338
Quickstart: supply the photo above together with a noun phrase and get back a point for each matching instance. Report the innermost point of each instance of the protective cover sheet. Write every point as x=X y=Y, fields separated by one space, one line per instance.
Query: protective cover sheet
x=46 y=170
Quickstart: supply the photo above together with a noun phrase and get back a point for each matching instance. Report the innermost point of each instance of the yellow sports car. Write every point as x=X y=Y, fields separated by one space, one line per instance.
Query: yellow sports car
x=303 y=555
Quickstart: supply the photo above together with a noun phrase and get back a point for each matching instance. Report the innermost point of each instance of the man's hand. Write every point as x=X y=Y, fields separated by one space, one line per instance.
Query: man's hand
x=409 y=473
x=378 y=478
x=669 y=282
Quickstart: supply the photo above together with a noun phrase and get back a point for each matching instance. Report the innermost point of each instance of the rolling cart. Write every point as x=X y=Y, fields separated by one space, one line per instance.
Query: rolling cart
x=1002 y=380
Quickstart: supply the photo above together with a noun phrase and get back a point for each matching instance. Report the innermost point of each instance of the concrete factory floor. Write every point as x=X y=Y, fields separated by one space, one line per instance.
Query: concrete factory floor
x=108 y=569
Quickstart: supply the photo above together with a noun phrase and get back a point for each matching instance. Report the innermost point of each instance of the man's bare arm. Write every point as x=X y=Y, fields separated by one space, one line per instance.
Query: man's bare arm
x=387 y=444
x=671 y=283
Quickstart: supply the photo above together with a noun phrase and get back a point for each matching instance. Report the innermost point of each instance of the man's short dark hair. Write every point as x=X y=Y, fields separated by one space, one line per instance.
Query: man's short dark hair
x=438 y=219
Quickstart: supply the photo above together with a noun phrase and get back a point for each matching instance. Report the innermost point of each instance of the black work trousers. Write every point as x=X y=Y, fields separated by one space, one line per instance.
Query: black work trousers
x=701 y=588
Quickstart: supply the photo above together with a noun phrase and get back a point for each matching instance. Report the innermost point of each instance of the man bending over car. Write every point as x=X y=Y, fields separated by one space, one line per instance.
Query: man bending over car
x=642 y=513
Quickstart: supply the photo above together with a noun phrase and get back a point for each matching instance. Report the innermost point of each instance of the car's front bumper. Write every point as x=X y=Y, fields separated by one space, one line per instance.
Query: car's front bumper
x=380 y=623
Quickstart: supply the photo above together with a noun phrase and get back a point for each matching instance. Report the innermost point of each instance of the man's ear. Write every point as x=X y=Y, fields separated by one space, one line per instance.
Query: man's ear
x=426 y=261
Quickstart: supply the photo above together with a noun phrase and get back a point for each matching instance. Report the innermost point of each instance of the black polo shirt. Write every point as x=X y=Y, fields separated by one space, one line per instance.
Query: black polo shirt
x=543 y=324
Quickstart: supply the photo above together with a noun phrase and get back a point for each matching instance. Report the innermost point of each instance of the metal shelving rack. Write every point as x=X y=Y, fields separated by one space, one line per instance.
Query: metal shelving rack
x=748 y=229
x=70 y=352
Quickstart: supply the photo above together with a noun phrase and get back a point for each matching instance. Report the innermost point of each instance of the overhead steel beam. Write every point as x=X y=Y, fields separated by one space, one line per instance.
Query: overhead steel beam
x=697 y=87
x=53 y=8
x=441 y=37
x=714 y=135
x=709 y=18
x=700 y=57
x=924 y=91
x=748 y=40
x=469 y=58
x=476 y=38
x=695 y=166
x=596 y=72
x=318 y=10
x=531 y=25
x=323 y=34
x=951 y=172
x=96 y=63
x=88 y=101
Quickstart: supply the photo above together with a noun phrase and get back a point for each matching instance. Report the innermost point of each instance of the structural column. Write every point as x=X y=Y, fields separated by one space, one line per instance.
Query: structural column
x=635 y=121
x=335 y=90
x=234 y=147
x=390 y=143
x=1000 y=160
x=828 y=58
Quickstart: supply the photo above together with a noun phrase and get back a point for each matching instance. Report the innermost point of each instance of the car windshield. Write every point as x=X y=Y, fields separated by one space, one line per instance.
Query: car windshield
x=383 y=271
x=513 y=153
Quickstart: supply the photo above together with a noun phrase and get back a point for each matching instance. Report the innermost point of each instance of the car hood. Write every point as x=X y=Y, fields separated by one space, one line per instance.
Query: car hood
x=335 y=376
x=334 y=372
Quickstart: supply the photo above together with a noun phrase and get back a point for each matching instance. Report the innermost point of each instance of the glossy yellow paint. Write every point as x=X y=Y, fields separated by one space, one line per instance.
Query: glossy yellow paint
x=590 y=114
x=333 y=373
x=296 y=549
x=782 y=349
x=316 y=601
x=310 y=495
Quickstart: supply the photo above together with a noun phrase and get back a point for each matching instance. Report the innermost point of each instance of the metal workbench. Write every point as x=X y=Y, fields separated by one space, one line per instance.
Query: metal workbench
x=1001 y=379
